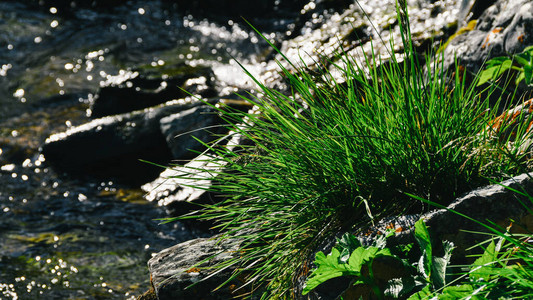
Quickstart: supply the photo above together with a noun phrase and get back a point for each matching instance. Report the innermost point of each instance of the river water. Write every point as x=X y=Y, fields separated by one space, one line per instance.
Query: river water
x=72 y=238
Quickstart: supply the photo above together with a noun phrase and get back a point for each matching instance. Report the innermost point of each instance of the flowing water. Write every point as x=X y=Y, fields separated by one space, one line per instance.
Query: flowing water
x=67 y=238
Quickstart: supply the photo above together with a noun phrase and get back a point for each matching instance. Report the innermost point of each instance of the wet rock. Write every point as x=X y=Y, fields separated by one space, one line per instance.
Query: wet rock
x=184 y=131
x=174 y=188
x=502 y=29
x=497 y=203
x=111 y=147
x=182 y=188
x=175 y=270
x=133 y=90
x=367 y=28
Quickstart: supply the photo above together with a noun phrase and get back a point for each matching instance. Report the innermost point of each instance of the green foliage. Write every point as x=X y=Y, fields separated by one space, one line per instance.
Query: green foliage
x=331 y=266
x=341 y=149
x=504 y=270
x=521 y=62
x=428 y=276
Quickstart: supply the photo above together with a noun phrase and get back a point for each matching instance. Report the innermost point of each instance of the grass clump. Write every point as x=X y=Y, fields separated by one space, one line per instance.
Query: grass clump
x=340 y=151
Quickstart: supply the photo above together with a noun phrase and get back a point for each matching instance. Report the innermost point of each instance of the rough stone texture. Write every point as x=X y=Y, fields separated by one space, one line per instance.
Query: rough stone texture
x=184 y=130
x=496 y=203
x=112 y=146
x=173 y=188
x=175 y=269
x=182 y=188
x=503 y=28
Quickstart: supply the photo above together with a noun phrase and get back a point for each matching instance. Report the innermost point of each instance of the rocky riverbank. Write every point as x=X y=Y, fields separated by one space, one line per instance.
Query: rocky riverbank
x=470 y=31
x=150 y=110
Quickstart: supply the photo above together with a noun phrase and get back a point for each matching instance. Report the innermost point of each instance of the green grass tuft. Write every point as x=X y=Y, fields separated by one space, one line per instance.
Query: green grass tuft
x=340 y=151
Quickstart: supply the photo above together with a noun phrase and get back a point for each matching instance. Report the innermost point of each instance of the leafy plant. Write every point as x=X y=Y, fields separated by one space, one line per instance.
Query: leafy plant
x=521 y=62
x=337 y=264
x=428 y=273
x=340 y=149
x=503 y=271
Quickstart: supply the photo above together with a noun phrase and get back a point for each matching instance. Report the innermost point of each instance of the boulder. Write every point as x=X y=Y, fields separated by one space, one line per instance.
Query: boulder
x=497 y=203
x=183 y=131
x=503 y=28
x=175 y=189
x=182 y=188
x=111 y=147
x=133 y=90
x=183 y=271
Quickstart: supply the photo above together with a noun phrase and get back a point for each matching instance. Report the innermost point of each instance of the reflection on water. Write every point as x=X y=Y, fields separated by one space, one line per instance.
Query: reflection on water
x=45 y=53
x=81 y=238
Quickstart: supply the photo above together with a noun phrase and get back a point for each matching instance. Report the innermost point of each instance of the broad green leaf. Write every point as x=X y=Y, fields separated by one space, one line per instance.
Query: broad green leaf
x=424 y=241
x=424 y=294
x=438 y=274
x=522 y=58
x=328 y=268
x=457 y=292
x=520 y=77
x=487 y=75
x=506 y=65
x=399 y=287
x=346 y=245
x=496 y=61
x=528 y=73
x=481 y=269
x=361 y=256
x=331 y=267
x=494 y=70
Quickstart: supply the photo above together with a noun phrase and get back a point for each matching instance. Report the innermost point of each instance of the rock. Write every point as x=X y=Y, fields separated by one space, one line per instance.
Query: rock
x=496 y=203
x=502 y=29
x=111 y=147
x=133 y=90
x=175 y=189
x=184 y=130
x=174 y=270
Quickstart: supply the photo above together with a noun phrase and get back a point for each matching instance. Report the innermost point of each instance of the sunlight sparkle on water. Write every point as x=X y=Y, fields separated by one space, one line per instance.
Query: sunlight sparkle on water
x=19 y=93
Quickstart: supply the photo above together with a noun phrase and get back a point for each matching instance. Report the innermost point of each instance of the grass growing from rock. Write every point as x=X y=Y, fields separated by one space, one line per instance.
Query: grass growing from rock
x=341 y=150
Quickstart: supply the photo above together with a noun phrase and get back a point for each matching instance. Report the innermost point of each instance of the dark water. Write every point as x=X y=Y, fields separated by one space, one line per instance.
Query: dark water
x=65 y=238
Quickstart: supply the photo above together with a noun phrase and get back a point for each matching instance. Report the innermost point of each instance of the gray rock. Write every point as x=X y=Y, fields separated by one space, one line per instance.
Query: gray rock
x=111 y=147
x=133 y=90
x=497 y=203
x=182 y=188
x=181 y=272
x=502 y=29
x=183 y=131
